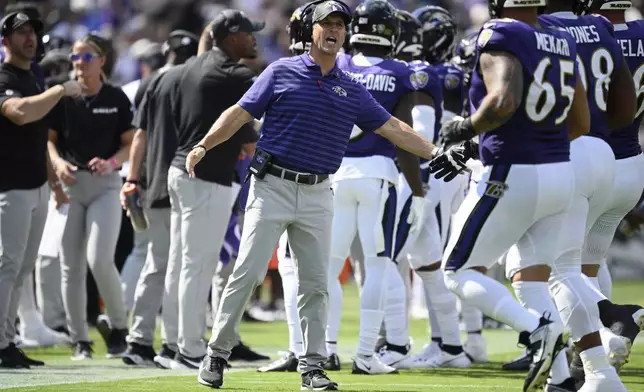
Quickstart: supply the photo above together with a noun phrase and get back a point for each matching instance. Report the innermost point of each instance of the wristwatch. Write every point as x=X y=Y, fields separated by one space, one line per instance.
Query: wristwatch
x=200 y=146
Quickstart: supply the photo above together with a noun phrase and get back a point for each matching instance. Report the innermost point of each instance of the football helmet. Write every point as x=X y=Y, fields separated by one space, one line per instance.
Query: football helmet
x=439 y=32
x=585 y=7
x=465 y=52
x=375 y=23
x=410 y=40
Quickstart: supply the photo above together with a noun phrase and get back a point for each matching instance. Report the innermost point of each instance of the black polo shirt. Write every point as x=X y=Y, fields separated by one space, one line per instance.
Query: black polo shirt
x=23 y=148
x=155 y=116
x=210 y=84
x=90 y=127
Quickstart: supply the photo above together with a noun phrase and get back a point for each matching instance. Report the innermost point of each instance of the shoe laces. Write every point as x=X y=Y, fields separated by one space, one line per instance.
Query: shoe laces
x=317 y=373
x=216 y=363
x=84 y=346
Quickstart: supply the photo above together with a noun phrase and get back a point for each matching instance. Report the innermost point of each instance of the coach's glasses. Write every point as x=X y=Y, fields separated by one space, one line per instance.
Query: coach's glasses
x=86 y=57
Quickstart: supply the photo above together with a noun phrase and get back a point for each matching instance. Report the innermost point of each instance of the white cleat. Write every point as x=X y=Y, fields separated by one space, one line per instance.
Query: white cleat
x=618 y=348
x=372 y=365
x=392 y=358
x=443 y=360
x=603 y=382
x=476 y=348
x=429 y=350
x=43 y=336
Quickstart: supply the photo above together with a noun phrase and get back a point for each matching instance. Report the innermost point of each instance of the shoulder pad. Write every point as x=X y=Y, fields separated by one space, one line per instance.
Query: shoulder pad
x=604 y=22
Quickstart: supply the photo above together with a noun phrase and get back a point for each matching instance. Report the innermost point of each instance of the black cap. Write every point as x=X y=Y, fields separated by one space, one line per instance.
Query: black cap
x=327 y=8
x=181 y=41
x=14 y=20
x=233 y=21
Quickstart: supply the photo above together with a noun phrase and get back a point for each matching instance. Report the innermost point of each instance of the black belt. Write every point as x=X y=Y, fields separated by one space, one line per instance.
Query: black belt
x=299 y=178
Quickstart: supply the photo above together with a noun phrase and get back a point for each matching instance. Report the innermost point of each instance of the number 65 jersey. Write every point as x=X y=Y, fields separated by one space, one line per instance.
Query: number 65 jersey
x=537 y=133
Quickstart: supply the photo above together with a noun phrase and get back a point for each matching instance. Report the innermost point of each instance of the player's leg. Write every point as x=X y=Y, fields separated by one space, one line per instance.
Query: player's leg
x=133 y=267
x=377 y=203
x=149 y=290
x=494 y=216
x=344 y=228
x=48 y=292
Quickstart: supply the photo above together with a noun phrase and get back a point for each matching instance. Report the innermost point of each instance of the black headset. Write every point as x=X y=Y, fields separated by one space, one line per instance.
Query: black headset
x=314 y=4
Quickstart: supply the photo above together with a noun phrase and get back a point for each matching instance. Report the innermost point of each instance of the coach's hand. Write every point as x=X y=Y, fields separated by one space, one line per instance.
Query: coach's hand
x=195 y=156
x=450 y=163
x=455 y=131
x=416 y=213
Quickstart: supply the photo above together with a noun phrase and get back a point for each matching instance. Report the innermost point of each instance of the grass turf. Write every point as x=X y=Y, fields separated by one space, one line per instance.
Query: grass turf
x=105 y=375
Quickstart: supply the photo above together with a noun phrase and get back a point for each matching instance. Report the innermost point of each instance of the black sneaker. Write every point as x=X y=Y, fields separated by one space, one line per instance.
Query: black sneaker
x=114 y=338
x=211 y=372
x=519 y=364
x=317 y=380
x=288 y=363
x=567 y=386
x=184 y=362
x=164 y=359
x=332 y=363
x=139 y=355
x=82 y=350
x=241 y=352
x=544 y=343
x=623 y=320
x=25 y=358
x=10 y=358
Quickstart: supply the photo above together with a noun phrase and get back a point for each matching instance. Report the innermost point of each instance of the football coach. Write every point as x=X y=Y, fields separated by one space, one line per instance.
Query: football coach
x=309 y=108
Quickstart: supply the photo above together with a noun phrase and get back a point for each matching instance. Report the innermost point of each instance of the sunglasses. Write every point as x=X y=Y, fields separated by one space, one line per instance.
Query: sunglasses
x=86 y=57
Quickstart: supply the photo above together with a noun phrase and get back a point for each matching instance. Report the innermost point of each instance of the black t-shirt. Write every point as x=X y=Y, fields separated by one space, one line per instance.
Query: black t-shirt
x=155 y=117
x=210 y=84
x=90 y=127
x=23 y=148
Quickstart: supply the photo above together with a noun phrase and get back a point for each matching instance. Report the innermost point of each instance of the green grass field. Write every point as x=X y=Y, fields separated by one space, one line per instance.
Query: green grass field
x=105 y=375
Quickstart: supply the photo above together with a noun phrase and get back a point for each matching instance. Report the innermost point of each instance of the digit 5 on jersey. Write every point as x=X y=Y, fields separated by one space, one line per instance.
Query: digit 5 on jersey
x=537 y=132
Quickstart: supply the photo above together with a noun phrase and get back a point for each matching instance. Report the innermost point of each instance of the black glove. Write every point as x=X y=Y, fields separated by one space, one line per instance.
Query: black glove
x=455 y=131
x=450 y=163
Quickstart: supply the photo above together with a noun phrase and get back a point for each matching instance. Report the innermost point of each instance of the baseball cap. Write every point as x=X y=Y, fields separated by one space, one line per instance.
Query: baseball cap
x=181 y=40
x=327 y=8
x=233 y=21
x=14 y=20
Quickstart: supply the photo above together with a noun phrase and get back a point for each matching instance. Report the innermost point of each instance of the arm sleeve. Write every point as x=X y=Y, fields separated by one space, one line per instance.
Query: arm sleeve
x=372 y=115
x=8 y=88
x=256 y=100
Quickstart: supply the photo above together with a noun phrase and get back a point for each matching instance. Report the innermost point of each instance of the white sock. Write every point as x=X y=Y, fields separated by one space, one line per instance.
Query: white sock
x=434 y=327
x=605 y=280
x=372 y=303
x=472 y=318
x=559 y=371
x=492 y=298
x=595 y=291
x=396 y=323
x=289 y=285
x=594 y=360
x=334 y=313
x=444 y=303
x=418 y=294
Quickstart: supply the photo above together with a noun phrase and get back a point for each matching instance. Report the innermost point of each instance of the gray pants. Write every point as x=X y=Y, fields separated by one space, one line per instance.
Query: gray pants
x=22 y=220
x=306 y=213
x=200 y=214
x=48 y=291
x=134 y=265
x=91 y=233
x=149 y=289
x=219 y=281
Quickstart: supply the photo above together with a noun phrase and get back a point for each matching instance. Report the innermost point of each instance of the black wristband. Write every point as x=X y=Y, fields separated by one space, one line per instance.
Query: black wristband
x=200 y=146
x=468 y=128
x=135 y=182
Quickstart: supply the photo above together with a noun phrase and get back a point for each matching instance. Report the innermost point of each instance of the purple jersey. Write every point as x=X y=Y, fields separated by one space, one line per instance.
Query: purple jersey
x=387 y=81
x=625 y=142
x=598 y=57
x=537 y=133
x=454 y=91
x=429 y=82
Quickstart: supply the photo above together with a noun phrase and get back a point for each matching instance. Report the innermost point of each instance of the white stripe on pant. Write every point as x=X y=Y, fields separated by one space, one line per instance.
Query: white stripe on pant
x=150 y=286
x=306 y=212
x=91 y=233
x=200 y=214
x=22 y=220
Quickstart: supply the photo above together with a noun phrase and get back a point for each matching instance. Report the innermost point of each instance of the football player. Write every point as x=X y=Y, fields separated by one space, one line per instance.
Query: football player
x=365 y=194
x=527 y=182
x=422 y=250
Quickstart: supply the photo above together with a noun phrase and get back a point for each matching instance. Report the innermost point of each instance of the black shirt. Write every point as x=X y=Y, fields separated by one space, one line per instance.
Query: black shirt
x=90 y=127
x=210 y=84
x=155 y=117
x=23 y=148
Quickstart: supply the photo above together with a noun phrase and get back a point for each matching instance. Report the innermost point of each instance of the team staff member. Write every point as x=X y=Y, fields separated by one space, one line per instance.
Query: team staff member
x=208 y=85
x=89 y=141
x=299 y=147
x=26 y=171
